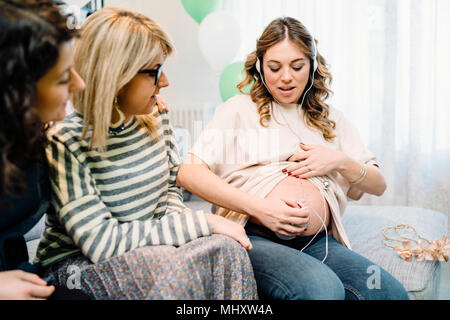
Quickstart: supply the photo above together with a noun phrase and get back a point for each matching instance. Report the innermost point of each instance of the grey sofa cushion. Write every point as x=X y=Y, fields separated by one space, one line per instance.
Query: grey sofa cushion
x=32 y=246
x=36 y=231
x=32 y=238
x=363 y=225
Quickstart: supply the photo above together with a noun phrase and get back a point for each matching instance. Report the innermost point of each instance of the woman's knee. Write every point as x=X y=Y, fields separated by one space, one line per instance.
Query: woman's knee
x=223 y=250
x=377 y=284
x=388 y=288
x=227 y=245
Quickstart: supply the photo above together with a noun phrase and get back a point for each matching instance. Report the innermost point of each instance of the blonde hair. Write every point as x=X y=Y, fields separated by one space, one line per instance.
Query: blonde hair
x=114 y=45
x=316 y=110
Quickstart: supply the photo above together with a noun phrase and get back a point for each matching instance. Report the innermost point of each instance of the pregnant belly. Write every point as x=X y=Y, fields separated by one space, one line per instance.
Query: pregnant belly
x=308 y=195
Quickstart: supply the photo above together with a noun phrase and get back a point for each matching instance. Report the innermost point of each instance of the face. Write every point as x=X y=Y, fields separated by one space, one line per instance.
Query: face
x=137 y=97
x=286 y=71
x=57 y=86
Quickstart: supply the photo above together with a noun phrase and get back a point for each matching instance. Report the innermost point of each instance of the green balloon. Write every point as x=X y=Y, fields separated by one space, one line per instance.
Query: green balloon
x=199 y=9
x=230 y=77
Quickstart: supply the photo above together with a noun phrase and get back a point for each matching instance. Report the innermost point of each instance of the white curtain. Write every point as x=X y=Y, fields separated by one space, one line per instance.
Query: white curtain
x=390 y=60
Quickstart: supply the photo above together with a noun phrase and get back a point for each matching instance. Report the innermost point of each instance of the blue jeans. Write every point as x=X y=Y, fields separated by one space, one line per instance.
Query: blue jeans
x=283 y=272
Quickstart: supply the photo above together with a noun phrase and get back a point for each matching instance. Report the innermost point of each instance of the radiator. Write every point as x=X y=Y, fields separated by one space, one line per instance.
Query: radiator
x=192 y=119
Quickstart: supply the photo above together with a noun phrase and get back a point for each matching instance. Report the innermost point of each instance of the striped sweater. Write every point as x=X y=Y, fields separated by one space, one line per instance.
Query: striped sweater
x=106 y=204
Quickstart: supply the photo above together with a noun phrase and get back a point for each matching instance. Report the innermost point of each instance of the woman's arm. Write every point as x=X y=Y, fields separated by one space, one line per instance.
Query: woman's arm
x=372 y=183
x=174 y=195
x=194 y=175
x=218 y=225
x=89 y=222
x=277 y=215
x=318 y=160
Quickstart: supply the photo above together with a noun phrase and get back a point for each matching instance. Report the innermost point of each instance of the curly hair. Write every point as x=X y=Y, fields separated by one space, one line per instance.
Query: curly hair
x=316 y=111
x=31 y=33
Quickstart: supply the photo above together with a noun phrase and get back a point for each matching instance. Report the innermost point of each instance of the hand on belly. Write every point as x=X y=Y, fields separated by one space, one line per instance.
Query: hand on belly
x=309 y=196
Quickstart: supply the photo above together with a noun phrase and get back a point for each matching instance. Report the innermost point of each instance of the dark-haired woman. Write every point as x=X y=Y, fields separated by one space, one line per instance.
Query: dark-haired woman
x=37 y=80
x=282 y=162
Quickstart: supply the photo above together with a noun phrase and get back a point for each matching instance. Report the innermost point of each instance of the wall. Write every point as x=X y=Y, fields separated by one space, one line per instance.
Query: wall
x=192 y=81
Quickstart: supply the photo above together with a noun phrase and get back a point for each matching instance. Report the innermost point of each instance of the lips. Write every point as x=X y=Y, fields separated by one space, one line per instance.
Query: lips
x=286 y=90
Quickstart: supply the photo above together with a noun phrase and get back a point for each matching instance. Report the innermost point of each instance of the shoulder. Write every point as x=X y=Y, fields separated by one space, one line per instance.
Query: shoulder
x=340 y=119
x=163 y=124
x=335 y=114
x=240 y=103
x=68 y=129
x=162 y=118
x=163 y=129
x=345 y=129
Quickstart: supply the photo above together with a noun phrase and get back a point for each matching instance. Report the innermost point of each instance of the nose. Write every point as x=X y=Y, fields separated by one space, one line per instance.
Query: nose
x=285 y=75
x=76 y=82
x=163 y=81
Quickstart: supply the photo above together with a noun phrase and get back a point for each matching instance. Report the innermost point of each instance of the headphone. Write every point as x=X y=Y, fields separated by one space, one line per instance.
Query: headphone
x=258 y=66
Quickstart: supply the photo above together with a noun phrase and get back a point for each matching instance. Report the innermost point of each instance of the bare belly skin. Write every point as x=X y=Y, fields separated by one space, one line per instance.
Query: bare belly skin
x=302 y=190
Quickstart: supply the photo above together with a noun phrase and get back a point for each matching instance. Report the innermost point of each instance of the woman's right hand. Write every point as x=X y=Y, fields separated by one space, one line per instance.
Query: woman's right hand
x=20 y=285
x=282 y=216
x=221 y=225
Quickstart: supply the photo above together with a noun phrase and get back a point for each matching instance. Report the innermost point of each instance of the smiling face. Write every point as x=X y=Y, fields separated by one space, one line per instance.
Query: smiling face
x=137 y=97
x=286 y=71
x=56 y=87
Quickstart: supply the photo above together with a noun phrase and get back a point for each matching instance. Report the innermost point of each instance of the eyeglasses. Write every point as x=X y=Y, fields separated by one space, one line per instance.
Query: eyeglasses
x=153 y=72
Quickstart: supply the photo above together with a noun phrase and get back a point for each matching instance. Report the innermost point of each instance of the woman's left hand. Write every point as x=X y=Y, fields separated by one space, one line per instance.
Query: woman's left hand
x=314 y=160
x=162 y=104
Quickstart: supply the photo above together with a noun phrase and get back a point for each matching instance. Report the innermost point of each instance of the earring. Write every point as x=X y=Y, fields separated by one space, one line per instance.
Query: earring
x=117 y=127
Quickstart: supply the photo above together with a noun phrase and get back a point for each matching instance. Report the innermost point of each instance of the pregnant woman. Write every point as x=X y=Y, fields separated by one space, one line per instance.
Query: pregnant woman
x=282 y=162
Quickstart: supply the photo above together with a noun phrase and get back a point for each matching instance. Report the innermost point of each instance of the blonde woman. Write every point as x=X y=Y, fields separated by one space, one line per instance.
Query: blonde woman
x=120 y=229
x=284 y=162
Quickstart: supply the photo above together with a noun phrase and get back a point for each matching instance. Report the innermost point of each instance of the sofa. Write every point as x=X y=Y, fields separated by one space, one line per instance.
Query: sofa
x=363 y=225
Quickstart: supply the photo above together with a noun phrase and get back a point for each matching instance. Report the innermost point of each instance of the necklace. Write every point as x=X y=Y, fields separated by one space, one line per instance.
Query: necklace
x=116 y=130
x=119 y=126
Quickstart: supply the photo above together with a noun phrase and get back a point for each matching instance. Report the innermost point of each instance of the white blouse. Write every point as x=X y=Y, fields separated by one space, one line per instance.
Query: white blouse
x=251 y=157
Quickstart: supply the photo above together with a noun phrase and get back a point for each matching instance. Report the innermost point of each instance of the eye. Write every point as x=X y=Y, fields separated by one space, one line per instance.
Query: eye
x=65 y=81
x=298 y=68
x=274 y=69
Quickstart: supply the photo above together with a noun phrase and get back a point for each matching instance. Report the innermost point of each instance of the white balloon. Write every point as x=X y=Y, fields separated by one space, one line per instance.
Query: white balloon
x=219 y=39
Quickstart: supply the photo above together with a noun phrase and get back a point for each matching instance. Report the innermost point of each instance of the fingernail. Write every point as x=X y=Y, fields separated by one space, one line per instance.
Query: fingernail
x=289 y=173
x=284 y=170
x=297 y=177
